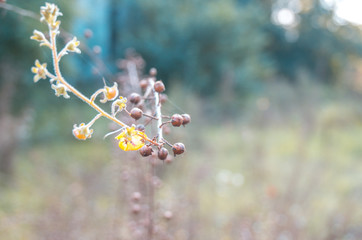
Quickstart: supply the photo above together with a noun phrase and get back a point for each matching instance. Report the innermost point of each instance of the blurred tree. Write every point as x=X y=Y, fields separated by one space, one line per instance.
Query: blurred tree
x=200 y=41
x=314 y=41
x=197 y=41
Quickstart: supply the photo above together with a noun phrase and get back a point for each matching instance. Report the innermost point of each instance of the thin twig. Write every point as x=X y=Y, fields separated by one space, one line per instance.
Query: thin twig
x=20 y=11
x=158 y=111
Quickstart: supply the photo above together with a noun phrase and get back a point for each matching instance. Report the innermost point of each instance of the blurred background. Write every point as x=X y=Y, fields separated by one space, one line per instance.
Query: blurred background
x=274 y=88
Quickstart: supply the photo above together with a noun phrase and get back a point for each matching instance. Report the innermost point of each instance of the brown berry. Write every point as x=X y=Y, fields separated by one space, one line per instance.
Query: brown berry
x=88 y=33
x=166 y=129
x=140 y=127
x=162 y=153
x=146 y=151
x=153 y=72
x=97 y=49
x=168 y=159
x=136 y=113
x=159 y=86
x=178 y=148
x=136 y=196
x=168 y=215
x=163 y=98
x=136 y=208
x=185 y=119
x=143 y=83
x=121 y=64
x=134 y=98
x=176 y=120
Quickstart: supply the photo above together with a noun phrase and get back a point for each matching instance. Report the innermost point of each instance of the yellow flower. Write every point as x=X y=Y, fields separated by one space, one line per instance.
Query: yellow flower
x=110 y=93
x=72 y=45
x=39 y=70
x=82 y=132
x=131 y=139
x=39 y=36
x=118 y=105
x=60 y=90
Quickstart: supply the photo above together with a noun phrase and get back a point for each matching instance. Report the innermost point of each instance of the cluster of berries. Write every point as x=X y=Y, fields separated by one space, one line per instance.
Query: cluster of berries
x=176 y=120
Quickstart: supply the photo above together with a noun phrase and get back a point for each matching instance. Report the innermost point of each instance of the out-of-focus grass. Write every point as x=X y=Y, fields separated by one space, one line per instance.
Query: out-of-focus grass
x=298 y=178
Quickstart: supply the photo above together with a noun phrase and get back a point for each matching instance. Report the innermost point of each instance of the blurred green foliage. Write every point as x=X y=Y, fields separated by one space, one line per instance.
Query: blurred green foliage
x=205 y=44
x=210 y=47
x=198 y=42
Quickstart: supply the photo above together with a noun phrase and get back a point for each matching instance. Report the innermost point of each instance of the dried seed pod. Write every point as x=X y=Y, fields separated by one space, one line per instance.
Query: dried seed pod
x=146 y=151
x=134 y=98
x=168 y=159
x=143 y=83
x=140 y=127
x=159 y=86
x=136 y=196
x=162 y=153
x=176 y=120
x=167 y=215
x=185 y=119
x=153 y=72
x=136 y=113
x=178 y=148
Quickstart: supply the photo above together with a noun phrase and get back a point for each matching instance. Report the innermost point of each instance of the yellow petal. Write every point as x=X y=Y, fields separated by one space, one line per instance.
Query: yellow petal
x=131 y=139
x=37 y=63
x=121 y=135
x=131 y=146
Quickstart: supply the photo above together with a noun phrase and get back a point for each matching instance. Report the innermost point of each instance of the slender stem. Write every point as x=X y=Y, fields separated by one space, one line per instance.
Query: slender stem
x=169 y=144
x=50 y=75
x=20 y=11
x=149 y=116
x=62 y=53
x=93 y=97
x=71 y=88
x=158 y=112
x=149 y=140
x=164 y=124
x=147 y=92
x=110 y=133
x=151 y=196
x=133 y=76
x=94 y=119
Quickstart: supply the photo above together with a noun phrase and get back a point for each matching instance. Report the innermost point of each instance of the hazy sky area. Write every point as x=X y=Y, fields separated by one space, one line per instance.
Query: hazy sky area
x=350 y=10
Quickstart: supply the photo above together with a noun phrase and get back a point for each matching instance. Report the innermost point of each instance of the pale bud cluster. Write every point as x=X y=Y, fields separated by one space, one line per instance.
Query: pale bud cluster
x=49 y=14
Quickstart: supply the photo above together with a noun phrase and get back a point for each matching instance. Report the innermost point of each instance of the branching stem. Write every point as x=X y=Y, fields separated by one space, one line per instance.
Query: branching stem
x=60 y=78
